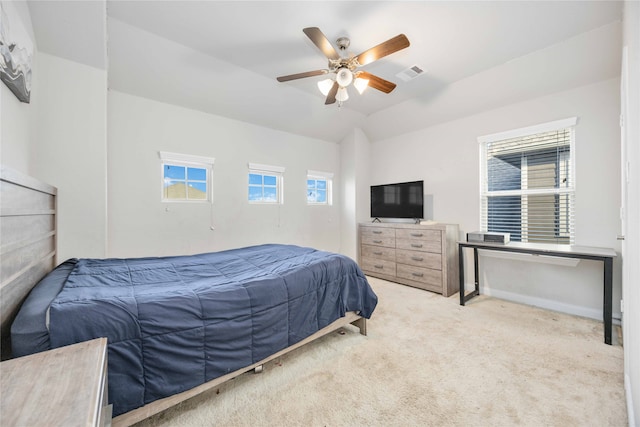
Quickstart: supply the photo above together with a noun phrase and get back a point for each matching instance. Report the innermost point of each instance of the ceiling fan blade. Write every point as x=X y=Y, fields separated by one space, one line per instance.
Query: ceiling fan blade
x=377 y=83
x=301 y=75
x=321 y=41
x=395 y=44
x=331 y=96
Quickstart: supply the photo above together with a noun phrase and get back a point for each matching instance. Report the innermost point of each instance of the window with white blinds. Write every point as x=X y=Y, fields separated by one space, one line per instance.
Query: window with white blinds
x=527 y=183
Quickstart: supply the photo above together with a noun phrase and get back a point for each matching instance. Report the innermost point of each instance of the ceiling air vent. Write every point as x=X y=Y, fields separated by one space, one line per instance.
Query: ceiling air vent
x=410 y=73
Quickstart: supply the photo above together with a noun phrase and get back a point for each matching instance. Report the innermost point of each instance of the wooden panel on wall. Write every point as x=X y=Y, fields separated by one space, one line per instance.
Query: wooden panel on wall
x=27 y=242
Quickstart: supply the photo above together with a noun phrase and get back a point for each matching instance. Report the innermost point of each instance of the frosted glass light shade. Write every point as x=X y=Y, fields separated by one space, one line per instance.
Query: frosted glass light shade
x=342 y=95
x=361 y=84
x=344 y=77
x=325 y=86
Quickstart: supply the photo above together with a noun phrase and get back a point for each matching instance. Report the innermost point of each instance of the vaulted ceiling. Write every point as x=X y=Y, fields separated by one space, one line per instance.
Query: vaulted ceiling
x=223 y=57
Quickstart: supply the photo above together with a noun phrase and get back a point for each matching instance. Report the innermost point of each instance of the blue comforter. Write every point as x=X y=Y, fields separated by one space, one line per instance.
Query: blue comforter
x=176 y=322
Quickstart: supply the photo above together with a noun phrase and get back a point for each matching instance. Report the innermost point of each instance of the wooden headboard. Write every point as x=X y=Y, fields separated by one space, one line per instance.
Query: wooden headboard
x=27 y=242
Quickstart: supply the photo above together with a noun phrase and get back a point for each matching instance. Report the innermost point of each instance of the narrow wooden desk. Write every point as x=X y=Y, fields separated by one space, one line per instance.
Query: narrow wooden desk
x=66 y=386
x=605 y=255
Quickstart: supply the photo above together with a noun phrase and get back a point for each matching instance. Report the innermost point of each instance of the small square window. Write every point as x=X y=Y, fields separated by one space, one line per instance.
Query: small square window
x=186 y=178
x=319 y=188
x=265 y=184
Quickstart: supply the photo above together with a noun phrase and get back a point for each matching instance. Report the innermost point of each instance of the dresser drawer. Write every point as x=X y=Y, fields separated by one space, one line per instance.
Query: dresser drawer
x=378 y=232
x=419 y=259
x=420 y=274
x=378 y=252
x=380 y=266
x=410 y=233
x=434 y=246
x=369 y=239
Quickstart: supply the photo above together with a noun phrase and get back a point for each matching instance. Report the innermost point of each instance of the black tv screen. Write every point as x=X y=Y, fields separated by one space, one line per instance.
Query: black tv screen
x=401 y=200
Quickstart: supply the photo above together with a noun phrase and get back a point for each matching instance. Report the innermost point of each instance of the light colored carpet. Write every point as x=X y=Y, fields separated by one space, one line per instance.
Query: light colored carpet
x=427 y=361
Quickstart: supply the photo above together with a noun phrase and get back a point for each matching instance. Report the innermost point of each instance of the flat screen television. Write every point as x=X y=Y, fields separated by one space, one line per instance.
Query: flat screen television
x=400 y=200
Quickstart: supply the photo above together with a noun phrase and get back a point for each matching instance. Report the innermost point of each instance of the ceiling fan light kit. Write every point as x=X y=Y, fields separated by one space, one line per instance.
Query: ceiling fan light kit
x=325 y=86
x=361 y=84
x=344 y=68
x=344 y=77
x=342 y=95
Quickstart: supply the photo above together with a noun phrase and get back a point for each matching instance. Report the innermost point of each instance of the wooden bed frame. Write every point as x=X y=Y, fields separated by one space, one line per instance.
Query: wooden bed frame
x=28 y=253
x=27 y=242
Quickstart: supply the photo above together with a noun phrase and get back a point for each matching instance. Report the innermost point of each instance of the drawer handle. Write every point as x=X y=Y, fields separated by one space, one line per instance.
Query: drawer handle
x=417 y=234
x=377 y=232
x=417 y=274
x=379 y=266
x=416 y=245
x=415 y=258
x=377 y=241
x=377 y=253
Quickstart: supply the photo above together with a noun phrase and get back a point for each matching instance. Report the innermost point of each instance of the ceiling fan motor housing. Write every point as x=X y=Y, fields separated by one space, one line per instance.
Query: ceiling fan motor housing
x=343 y=43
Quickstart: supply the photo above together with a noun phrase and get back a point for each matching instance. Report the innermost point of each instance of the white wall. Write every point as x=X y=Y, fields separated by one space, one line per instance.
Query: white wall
x=140 y=225
x=15 y=130
x=631 y=284
x=69 y=151
x=355 y=152
x=17 y=118
x=446 y=157
x=60 y=138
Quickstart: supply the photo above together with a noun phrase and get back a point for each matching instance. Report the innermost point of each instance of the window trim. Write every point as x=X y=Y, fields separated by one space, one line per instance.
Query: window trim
x=187 y=160
x=278 y=172
x=483 y=141
x=326 y=176
x=529 y=130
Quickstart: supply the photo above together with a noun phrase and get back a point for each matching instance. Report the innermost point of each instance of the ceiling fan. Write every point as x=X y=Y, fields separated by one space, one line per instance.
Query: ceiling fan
x=346 y=68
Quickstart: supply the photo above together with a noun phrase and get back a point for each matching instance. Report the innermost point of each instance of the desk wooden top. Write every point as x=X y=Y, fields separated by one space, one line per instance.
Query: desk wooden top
x=59 y=387
x=545 y=248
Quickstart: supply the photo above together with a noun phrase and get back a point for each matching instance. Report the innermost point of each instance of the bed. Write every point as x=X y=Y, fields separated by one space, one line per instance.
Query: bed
x=177 y=326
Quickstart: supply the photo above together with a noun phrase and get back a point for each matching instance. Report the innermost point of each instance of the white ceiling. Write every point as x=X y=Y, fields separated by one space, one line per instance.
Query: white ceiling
x=224 y=57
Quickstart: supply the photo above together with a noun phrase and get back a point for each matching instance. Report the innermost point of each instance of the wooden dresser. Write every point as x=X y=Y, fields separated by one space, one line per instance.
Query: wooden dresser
x=423 y=256
x=66 y=386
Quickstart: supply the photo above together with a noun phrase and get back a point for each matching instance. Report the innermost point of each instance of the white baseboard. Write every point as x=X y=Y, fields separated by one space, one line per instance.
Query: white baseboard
x=576 y=310
x=627 y=391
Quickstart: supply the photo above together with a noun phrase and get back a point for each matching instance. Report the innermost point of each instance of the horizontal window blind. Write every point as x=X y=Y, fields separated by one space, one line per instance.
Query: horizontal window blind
x=527 y=187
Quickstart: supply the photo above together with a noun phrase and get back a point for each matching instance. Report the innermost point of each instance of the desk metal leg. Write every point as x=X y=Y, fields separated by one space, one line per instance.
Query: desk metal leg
x=464 y=298
x=461 y=272
x=608 y=299
x=475 y=270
